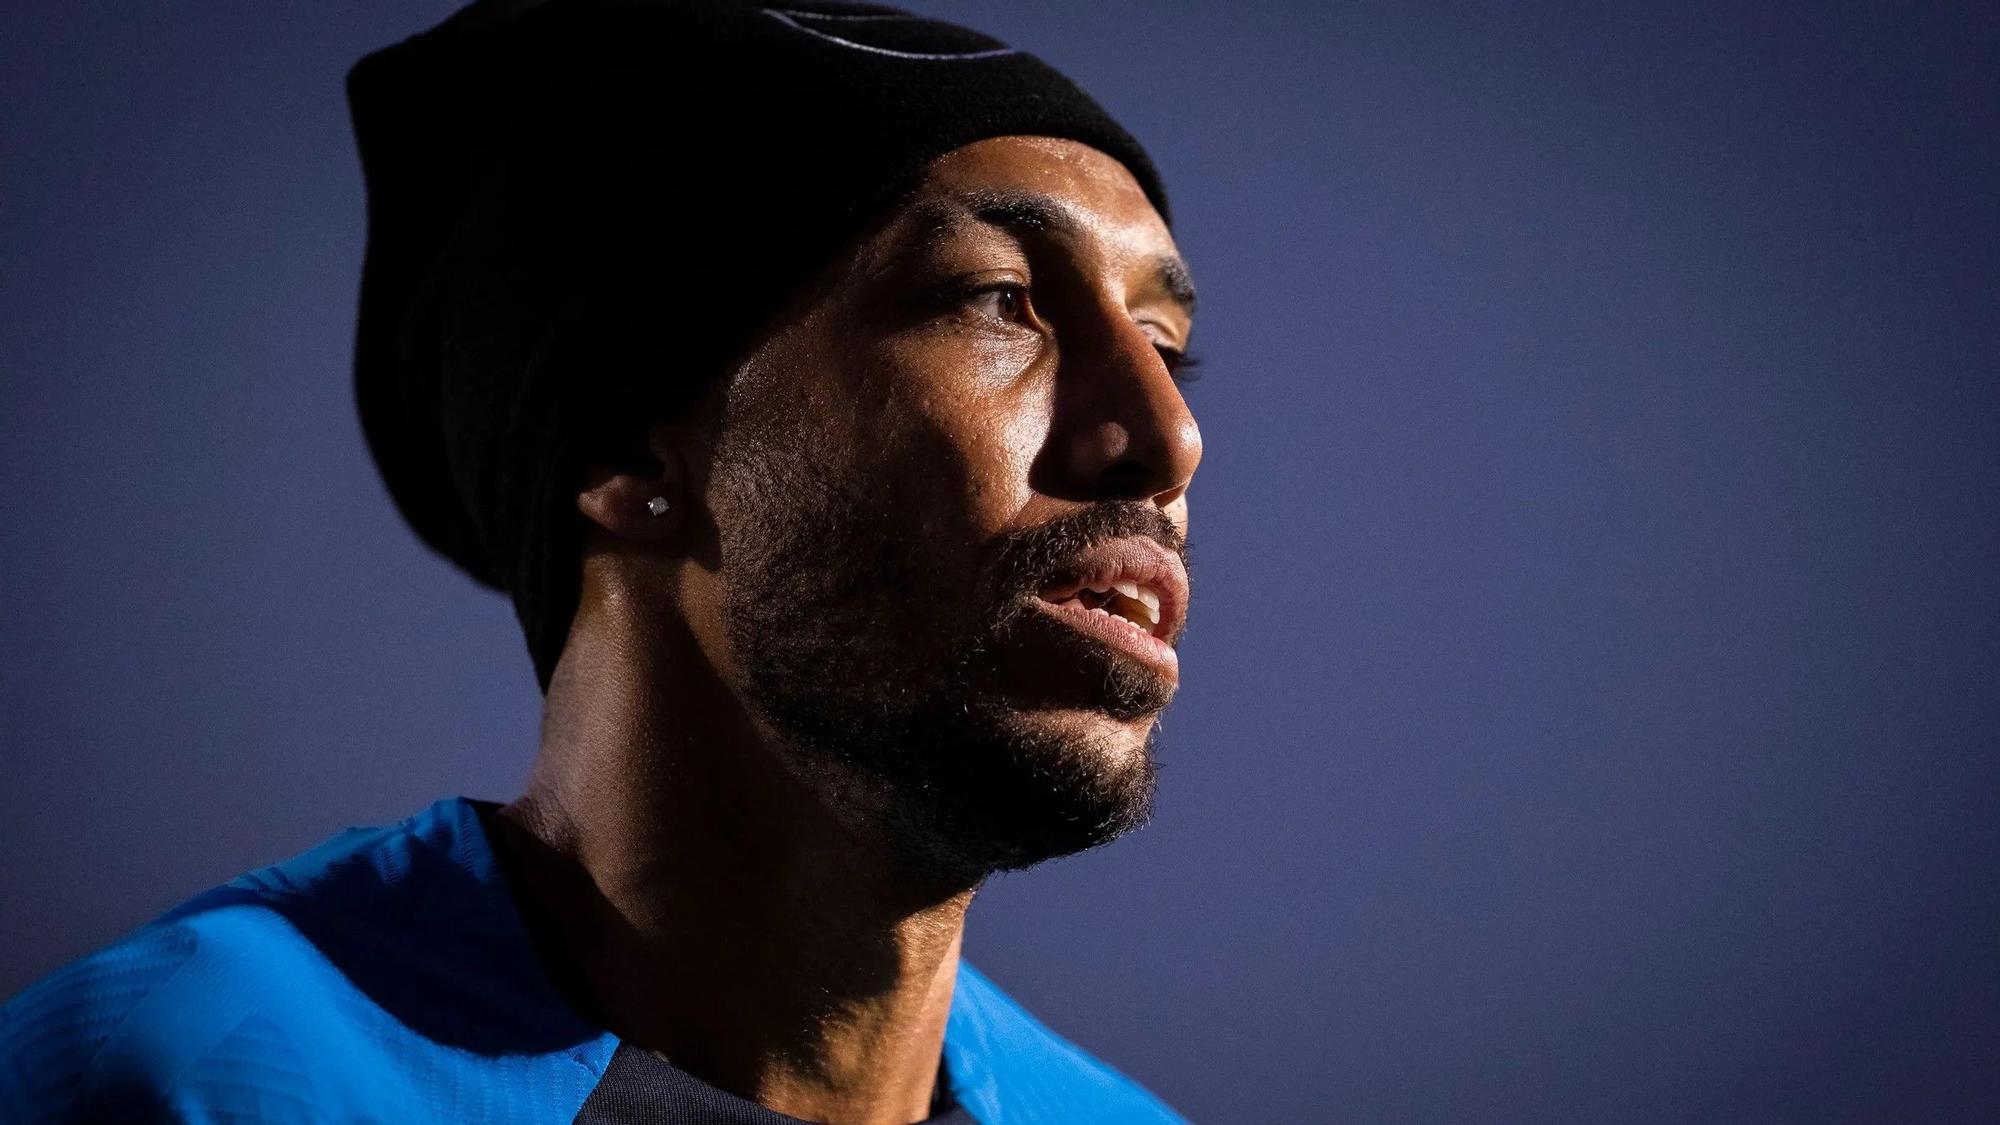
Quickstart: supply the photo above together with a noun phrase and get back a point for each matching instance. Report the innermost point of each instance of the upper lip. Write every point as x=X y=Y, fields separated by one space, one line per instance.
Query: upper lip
x=1140 y=561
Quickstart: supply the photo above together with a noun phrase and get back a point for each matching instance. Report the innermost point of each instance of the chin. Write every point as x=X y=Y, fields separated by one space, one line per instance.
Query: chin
x=1117 y=744
x=1034 y=786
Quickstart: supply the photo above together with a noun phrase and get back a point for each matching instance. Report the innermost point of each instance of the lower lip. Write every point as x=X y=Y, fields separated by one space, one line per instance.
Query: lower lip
x=1114 y=632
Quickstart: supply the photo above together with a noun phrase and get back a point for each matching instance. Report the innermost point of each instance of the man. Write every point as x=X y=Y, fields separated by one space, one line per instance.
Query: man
x=807 y=375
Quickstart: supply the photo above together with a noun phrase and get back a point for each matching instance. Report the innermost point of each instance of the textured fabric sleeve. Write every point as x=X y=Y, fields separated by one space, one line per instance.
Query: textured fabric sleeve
x=375 y=978
x=53 y=1035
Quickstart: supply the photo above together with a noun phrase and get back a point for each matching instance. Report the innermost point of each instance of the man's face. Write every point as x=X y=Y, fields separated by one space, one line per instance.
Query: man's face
x=950 y=496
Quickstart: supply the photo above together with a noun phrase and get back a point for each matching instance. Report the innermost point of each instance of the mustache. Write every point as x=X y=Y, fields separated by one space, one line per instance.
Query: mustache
x=1028 y=559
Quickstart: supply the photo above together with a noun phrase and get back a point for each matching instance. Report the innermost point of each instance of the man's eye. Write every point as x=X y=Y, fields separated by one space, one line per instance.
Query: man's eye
x=1001 y=302
x=1180 y=364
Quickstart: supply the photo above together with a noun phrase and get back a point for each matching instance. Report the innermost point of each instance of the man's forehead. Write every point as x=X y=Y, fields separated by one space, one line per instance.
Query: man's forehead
x=1040 y=158
x=1046 y=190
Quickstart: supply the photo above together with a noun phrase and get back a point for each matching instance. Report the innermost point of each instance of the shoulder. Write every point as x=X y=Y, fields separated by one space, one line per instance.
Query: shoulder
x=207 y=1010
x=387 y=949
x=1007 y=1066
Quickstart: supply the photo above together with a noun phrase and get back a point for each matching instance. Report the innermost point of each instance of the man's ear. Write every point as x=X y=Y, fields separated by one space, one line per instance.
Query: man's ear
x=641 y=494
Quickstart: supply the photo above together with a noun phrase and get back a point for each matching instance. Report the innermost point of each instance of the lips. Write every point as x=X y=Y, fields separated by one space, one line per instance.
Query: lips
x=1130 y=593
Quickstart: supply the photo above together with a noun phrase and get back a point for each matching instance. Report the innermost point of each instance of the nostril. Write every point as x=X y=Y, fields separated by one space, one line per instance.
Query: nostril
x=1128 y=478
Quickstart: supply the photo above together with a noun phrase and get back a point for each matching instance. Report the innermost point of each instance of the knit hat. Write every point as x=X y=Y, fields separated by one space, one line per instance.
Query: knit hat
x=581 y=212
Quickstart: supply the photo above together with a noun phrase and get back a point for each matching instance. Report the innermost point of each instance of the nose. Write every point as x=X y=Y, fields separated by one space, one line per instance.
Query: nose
x=1122 y=431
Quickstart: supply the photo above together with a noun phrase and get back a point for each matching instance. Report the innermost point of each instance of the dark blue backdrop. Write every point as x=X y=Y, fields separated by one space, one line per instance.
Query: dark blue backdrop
x=1593 y=704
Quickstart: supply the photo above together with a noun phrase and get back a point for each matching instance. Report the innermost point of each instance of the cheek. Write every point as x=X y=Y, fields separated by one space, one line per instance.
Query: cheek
x=969 y=440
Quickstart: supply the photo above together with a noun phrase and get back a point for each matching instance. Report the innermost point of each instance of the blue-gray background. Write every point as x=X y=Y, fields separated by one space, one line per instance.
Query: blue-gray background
x=1593 y=704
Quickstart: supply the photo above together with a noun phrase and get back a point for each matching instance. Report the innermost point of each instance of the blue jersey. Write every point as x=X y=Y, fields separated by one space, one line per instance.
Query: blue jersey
x=387 y=976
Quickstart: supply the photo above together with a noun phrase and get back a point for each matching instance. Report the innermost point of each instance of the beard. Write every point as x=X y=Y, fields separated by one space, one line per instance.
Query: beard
x=870 y=642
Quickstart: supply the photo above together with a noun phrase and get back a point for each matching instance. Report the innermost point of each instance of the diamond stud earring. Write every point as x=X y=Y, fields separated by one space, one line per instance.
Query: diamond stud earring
x=657 y=505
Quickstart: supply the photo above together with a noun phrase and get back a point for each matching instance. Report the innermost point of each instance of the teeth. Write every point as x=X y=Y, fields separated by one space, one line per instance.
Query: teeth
x=1141 y=597
x=1128 y=602
x=1125 y=621
x=1151 y=601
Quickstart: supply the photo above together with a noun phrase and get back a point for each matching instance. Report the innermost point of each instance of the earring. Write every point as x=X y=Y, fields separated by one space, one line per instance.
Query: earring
x=657 y=505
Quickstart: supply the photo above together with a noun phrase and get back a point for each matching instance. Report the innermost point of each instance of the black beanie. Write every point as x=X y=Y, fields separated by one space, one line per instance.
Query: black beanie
x=580 y=212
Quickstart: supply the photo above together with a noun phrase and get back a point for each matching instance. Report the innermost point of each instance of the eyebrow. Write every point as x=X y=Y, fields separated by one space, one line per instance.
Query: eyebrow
x=1022 y=213
x=1173 y=277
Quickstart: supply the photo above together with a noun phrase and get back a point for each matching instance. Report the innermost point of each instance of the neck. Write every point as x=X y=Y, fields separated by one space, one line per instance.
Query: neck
x=697 y=897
